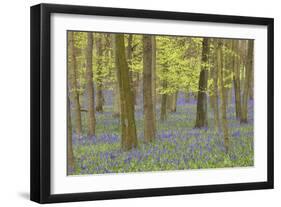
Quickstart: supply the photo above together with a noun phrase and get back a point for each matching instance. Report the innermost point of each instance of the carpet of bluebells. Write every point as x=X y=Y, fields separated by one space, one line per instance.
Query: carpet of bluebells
x=178 y=145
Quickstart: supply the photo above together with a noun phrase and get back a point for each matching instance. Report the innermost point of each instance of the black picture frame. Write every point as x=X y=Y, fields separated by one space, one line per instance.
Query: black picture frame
x=41 y=99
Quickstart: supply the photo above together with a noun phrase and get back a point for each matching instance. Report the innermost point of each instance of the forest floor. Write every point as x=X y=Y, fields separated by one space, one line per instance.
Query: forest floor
x=178 y=145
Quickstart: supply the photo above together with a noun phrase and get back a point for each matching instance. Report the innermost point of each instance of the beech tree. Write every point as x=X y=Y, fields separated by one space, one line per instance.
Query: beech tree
x=70 y=156
x=222 y=94
x=116 y=101
x=163 y=113
x=128 y=126
x=236 y=78
x=72 y=77
x=129 y=54
x=99 y=85
x=172 y=102
x=201 y=115
x=149 y=114
x=214 y=93
x=154 y=75
x=90 y=88
x=247 y=82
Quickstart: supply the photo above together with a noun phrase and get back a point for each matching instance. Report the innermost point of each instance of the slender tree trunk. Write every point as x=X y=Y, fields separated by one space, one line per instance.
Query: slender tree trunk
x=116 y=103
x=214 y=95
x=174 y=102
x=70 y=156
x=201 y=116
x=149 y=119
x=163 y=114
x=227 y=79
x=222 y=96
x=243 y=50
x=116 y=100
x=164 y=97
x=129 y=61
x=169 y=102
x=236 y=79
x=100 y=99
x=128 y=126
x=136 y=88
x=90 y=88
x=251 y=92
x=72 y=76
x=247 y=83
x=251 y=85
x=154 y=98
x=230 y=94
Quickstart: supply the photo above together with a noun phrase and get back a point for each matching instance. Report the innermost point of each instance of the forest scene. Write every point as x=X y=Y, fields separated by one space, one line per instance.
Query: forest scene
x=142 y=103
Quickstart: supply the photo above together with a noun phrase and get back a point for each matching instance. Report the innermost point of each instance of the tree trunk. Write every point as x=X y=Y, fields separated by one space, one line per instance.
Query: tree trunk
x=100 y=99
x=227 y=76
x=230 y=94
x=236 y=79
x=154 y=98
x=214 y=97
x=201 y=116
x=247 y=82
x=70 y=156
x=72 y=76
x=174 y=102
x=116 y=103
x=163 y=113
x=129 y=61
x=116 y=100
x=222 y=96
x=243 y=49
x=90 y=88
x=251 y=92
x=169 y=102
x=149 y=119
x=128 y=126
x=136 y=88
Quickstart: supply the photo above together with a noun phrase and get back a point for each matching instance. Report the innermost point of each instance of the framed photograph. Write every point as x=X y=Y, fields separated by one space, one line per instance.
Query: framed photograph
x=132 y=103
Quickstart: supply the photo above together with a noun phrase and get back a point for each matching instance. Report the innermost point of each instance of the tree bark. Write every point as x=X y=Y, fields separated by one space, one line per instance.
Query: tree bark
x=251 y=92
x=227 y=73
x=201 y=115
x=128 y=126
x=169 y=102
x=236 y=79
x=149 y=119
x=214 y=95
x=163 y=113
x=70 y=156
x=116 y=100
x=247 y=82
x=174 y=102
x=154 y=98
x=116 y=103
x=100 y=99
x=72 y=76
x=222 y=96
x=136 y=91
x=90 y=88
x=129 y=61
